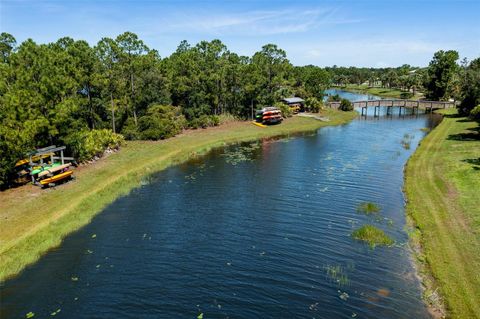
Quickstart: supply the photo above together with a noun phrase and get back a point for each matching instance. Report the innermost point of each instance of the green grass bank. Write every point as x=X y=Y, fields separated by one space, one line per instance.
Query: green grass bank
x=34 y=220
x=383 y=92
x=442 y=185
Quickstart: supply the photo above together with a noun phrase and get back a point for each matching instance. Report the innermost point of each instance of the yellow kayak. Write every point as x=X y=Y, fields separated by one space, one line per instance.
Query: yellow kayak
x=56 y=178
x=34 y=159
x=258 y=124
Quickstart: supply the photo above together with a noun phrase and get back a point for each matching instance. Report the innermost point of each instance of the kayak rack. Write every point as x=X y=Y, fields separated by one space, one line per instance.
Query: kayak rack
x=45 y=153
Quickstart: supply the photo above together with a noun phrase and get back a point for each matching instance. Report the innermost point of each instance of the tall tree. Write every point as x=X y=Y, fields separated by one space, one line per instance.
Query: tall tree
x=471 y=87
x=440 y=74
x=130 y=49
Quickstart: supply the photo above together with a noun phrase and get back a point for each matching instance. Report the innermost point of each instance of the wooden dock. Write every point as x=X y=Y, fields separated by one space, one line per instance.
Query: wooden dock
x=415 y=105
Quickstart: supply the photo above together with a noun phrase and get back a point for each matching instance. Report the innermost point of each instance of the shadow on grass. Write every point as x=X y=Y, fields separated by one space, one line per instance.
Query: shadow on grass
x=474 y=161
x=455 y=116
x=471 y=136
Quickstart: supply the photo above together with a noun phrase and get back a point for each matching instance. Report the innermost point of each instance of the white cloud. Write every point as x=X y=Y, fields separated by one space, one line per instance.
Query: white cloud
x=251 y=23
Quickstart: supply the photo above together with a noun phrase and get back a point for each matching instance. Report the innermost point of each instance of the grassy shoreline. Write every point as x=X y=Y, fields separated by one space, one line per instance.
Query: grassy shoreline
x=442 y=183
x=383 y=92
x=34 y=220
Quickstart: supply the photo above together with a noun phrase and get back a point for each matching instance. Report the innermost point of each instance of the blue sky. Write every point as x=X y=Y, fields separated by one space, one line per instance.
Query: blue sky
x=373 y=33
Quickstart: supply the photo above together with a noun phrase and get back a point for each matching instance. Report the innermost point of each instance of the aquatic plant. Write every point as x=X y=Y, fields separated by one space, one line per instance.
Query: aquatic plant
x=373 y=236
x=241 y=154
x=337 y=274
x=368 y=208
x=406 y=141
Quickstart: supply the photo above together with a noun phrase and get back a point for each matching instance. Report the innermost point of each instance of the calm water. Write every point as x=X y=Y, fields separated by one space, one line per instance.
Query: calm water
x=351 y=96
x=252 y=231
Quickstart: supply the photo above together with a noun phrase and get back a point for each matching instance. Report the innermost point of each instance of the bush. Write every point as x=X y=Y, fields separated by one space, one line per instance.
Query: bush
x=346 y=105
x=204 y=121
x=313 y=105
x=406 y=95
x=334 y=98
x=227 y=118
x=87 y=144
x=130 y=130
x=285 y=108
x=160 y=122
x=475 y=113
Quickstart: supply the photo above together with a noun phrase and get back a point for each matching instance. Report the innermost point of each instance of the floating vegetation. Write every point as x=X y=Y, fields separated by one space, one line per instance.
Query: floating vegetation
x=373 y=236
x=241 y=154
x=200 y=316
x=337 y=274
x=425 y=129
x=30 y=315
x=55 y=312
x=94 y=236
x=406 y=141
x=389 y=222
x=74 y=278
x=368 y=208
x=343 y=295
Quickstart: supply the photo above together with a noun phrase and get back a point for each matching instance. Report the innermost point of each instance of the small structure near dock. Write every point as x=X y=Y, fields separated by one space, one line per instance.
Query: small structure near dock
x=296 y=104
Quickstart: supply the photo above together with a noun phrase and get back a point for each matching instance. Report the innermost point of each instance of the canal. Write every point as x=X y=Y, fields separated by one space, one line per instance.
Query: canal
x=259 y=230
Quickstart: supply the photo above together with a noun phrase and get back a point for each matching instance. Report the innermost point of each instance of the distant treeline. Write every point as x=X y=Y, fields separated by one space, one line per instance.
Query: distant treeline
x=64 y=92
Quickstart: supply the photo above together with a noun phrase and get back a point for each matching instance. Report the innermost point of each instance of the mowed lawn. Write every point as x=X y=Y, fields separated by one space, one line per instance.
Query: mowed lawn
x=34 y=220
x=443 y=192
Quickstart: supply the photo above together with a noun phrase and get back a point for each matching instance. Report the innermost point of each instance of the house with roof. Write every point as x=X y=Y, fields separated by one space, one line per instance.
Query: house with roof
x=296 y=104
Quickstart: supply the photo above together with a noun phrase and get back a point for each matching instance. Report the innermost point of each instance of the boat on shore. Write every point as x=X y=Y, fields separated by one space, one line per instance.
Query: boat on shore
x=56 y=178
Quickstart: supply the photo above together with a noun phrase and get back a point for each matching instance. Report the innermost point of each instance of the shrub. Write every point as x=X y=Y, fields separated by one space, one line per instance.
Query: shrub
x=475 y=113
x=87 y=144
x=346 y=105
x=130 y=130
x=285 y=108
x=334 y=98
x=204 y=121
x=313 y=104
x=227 y=118
x=406 y=95
x=160 y=122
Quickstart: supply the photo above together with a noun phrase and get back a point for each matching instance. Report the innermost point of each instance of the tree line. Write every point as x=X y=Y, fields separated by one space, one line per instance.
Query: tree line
x=444 y=78
x=71 y=93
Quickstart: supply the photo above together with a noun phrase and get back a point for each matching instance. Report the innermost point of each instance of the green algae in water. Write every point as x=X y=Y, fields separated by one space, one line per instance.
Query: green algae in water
x=373 y=236
x=368 y=208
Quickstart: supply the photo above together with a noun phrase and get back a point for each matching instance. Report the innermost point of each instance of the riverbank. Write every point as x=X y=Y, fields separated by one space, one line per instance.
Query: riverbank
x=383 y=92
x=35 y=220
x=442 y=183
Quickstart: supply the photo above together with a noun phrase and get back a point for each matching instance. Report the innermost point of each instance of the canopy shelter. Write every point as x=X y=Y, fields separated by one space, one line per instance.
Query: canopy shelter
x=296 y=104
